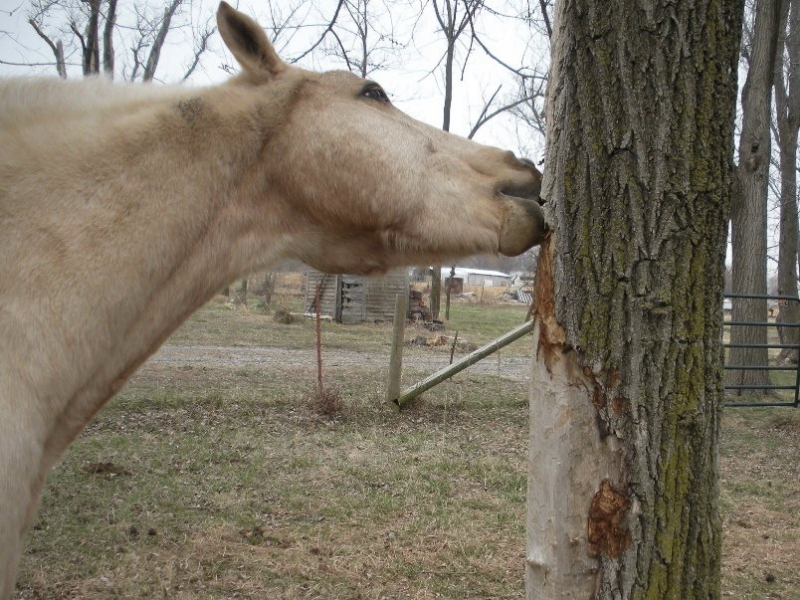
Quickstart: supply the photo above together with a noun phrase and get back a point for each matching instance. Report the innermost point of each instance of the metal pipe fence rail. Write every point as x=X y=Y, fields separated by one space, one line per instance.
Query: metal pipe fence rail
x=771 y=387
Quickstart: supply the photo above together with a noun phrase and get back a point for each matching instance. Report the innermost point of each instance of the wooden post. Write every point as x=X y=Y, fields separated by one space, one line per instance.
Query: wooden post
x=461 y=364
x=449 y=288
x=398 y=336
x=318 y=328
x=453 y=347
x=243 y=292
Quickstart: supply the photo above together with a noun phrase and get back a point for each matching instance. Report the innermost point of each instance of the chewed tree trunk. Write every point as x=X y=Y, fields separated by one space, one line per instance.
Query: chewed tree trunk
x=627 y=380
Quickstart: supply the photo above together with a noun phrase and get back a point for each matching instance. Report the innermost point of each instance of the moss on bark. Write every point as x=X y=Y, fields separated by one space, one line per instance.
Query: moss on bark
x=640 y=188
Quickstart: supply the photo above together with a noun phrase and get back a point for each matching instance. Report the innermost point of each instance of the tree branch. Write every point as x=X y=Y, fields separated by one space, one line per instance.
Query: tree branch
x=485 y=118
x=491 y=55
x=57 y=48
x=328 y=29
x=547 y=26
x=158 y=42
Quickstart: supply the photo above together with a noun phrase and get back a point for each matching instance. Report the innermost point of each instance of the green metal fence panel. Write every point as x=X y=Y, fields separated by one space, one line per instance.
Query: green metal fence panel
x=796 y=368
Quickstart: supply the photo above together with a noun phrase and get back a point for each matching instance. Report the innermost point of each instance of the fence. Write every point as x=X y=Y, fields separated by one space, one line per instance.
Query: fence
x=769 y=346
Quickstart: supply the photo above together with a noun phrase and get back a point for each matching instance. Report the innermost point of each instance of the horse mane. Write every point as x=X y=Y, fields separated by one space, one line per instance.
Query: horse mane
x=36 y=98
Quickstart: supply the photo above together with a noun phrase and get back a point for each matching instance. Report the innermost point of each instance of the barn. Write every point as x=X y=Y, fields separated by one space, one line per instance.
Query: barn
x=355 y=298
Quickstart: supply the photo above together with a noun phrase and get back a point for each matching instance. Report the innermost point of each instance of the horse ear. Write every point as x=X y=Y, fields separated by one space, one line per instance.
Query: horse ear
x=248 y=42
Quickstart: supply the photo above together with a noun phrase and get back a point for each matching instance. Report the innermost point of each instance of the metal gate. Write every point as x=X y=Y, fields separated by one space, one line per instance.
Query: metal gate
x=795 y=388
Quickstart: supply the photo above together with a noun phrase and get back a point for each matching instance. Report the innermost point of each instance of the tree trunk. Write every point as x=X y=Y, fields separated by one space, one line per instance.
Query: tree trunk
x=108 y=38
x=158 y=42
x=627 y=381
x=91 y=50
x=448 y=25
x=268 y=288
x=749 y=207
x=787 y=104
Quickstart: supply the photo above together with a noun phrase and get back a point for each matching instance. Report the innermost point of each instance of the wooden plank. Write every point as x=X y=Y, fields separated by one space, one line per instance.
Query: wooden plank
x=461 y=364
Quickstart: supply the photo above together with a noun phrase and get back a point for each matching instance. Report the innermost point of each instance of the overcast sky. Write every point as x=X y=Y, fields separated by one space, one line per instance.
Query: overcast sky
x=410 y=76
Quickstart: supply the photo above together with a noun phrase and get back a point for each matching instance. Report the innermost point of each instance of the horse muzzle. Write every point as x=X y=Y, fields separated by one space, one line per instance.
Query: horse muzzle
x=523 y=225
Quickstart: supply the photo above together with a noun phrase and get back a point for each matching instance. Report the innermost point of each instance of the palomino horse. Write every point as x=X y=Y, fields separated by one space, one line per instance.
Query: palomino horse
x=125 y=208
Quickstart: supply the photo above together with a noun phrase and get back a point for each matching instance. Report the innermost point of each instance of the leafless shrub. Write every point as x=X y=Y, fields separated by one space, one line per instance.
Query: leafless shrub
x=325 y=403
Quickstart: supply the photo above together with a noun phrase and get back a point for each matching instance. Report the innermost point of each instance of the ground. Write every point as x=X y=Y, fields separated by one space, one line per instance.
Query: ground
x=213 y=475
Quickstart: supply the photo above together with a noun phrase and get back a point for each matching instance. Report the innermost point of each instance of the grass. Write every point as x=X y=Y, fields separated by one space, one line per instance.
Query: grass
x=226 y=484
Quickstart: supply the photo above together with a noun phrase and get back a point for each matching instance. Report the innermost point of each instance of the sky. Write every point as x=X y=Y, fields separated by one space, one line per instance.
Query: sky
x=412 y=76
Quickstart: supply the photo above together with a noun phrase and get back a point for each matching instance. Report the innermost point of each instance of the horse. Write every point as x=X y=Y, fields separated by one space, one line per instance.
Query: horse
x=124 y=208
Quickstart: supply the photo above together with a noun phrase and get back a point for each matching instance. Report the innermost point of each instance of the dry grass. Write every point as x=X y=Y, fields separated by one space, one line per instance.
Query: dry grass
x=760 y=488
x=219 y=481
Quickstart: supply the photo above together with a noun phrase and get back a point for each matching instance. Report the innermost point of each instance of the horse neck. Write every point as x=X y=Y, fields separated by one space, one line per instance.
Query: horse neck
x=121 y=230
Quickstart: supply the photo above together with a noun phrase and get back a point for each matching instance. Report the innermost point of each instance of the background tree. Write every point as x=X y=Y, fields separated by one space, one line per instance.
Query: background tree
x=787 y=117
x=90 y=29
x=749 y=207
x=453 y=17
x=364 y=38
x=627 y=385
x=458 y=22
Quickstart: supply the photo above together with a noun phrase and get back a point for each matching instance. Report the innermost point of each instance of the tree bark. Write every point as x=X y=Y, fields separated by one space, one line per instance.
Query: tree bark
x=158 y=42
x=749 y=207
x=108 y=38
x=91 y=50
x=627 y=381
x=787 y=109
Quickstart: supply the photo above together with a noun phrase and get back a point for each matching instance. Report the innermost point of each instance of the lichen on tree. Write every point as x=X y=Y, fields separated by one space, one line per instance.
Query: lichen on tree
x=638 y=183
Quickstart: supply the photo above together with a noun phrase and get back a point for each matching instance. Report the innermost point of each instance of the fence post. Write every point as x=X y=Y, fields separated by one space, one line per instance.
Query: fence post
x=461 y=364
x=398 y=336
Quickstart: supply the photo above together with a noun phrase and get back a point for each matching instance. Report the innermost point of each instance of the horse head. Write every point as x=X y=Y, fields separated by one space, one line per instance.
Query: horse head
x=364 y=186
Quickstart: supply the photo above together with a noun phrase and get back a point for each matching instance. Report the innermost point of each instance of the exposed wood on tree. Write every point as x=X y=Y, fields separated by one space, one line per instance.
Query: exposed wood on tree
x=627 y=385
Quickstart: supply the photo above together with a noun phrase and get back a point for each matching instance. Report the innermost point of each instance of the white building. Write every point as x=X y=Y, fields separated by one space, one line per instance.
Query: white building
x=482 y=277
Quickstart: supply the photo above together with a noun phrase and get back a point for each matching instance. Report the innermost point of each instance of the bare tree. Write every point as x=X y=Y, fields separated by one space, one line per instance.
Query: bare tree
x=158 y=40
x=626 y=386
x=749 y=207
x=91 y=29
x=453 y=16
x=787 y=116
x=56 y=47
x=365 y=39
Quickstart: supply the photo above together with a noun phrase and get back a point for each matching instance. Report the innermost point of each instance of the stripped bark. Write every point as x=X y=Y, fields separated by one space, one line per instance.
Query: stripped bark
x=627 y=385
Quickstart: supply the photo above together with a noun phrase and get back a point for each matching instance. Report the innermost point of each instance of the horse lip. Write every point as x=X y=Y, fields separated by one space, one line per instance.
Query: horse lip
x=524 y=225
x=521 y=192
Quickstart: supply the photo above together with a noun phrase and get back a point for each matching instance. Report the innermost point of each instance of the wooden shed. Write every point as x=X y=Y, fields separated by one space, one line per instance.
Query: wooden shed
x=355 y=298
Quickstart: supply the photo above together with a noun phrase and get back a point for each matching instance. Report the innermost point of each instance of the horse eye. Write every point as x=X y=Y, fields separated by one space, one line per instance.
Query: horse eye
x=375 y=93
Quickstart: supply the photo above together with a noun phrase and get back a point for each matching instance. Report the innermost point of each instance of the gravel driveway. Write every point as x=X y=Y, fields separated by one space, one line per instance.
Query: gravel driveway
x=511 y=367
